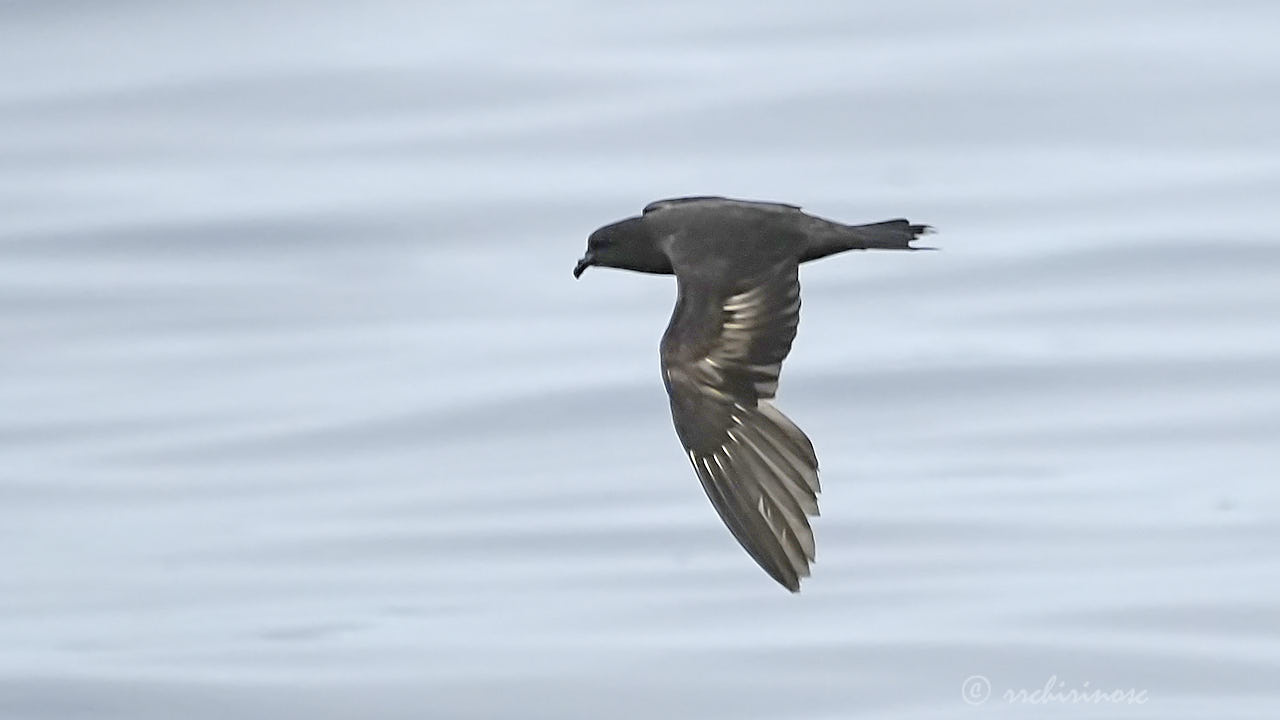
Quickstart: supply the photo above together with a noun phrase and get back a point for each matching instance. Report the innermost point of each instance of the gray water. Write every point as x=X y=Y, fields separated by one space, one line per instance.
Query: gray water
x=303 y=416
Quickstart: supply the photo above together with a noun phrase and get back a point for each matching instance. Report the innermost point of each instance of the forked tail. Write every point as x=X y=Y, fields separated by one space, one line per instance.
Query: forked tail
x=887 y=235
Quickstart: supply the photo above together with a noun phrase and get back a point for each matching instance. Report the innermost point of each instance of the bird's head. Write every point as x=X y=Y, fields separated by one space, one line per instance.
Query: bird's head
x=627 y=245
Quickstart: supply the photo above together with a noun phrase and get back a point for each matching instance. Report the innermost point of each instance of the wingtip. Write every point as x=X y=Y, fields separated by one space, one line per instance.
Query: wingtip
x=791 y=580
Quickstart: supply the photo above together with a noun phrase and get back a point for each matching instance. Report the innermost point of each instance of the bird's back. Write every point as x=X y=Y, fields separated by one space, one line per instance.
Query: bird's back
x=715 y=237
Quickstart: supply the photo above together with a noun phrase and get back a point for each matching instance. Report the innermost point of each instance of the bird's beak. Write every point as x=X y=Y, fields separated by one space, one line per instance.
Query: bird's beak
x=582 y=265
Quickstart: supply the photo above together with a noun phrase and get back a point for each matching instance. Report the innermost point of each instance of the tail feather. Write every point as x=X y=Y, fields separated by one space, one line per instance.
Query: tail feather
x=887 y=235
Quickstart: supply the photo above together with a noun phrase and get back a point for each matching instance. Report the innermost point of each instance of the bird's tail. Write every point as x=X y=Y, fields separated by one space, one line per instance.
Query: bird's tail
x=887 y=235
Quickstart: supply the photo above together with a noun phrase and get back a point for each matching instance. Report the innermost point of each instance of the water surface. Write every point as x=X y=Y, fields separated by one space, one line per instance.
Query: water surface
x=302 y=414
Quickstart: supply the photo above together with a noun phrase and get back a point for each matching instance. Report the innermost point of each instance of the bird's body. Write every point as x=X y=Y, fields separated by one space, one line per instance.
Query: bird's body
x=737 y=273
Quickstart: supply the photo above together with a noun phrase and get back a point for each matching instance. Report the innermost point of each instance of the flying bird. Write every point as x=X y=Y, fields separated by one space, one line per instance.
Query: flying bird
x=736 y=264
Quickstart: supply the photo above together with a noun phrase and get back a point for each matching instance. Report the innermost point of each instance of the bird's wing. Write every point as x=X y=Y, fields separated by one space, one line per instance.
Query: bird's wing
x=669 y=202
x=721 y=356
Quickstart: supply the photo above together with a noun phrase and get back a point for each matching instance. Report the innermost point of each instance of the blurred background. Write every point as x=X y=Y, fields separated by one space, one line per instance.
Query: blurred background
x=302 y=414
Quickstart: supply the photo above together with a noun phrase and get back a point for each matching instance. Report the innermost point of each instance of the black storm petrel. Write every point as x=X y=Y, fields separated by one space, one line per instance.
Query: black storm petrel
x=737 y=307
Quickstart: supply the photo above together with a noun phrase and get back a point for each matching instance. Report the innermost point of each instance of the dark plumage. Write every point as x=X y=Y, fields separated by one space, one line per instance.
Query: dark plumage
x=738 y=304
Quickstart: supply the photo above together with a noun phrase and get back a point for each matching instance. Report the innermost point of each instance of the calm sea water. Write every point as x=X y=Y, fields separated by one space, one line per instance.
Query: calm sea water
x=303 y=416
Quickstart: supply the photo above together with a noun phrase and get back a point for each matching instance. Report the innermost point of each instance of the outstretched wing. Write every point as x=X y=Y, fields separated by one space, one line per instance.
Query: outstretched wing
x=721 y=357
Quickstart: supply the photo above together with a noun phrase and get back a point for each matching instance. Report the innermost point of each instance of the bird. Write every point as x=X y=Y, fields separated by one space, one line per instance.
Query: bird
x=736 y=264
